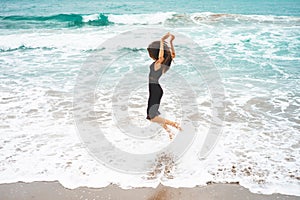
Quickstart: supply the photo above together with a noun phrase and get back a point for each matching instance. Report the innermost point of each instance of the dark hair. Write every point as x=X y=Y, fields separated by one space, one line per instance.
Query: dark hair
x=153 y=50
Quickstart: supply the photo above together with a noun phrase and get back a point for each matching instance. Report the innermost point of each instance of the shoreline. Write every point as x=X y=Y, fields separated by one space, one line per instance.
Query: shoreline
x=48 y=190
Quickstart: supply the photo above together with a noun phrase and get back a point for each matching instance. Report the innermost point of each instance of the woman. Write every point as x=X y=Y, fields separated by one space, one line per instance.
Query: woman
x=162 y=56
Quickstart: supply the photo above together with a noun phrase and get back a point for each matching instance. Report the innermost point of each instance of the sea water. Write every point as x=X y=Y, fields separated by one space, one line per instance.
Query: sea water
x=254 y=46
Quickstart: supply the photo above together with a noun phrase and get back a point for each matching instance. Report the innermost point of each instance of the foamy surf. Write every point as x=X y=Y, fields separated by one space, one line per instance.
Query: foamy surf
x=256 y=55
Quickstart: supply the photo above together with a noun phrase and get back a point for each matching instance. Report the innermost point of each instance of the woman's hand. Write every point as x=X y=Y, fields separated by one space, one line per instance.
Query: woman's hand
x=173 y=55
x=165 y=36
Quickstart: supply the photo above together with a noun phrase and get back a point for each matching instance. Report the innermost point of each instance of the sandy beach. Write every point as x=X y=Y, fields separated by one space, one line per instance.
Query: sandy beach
x=54 y=190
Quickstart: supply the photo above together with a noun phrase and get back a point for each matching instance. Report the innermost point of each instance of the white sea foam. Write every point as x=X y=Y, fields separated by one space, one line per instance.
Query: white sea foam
x=87 y=18
x=64 y=39
x=205 y=17
x=153 y=18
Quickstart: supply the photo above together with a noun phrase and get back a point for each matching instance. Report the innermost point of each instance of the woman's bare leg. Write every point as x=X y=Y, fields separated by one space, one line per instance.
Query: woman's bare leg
x=158 y=120
x=164 y=122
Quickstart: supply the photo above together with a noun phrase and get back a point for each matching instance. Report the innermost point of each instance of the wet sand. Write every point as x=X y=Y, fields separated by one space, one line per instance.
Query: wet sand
x=54 y=190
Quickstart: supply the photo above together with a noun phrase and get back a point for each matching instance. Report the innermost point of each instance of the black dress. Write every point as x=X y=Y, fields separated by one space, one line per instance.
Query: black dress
x=155 y=92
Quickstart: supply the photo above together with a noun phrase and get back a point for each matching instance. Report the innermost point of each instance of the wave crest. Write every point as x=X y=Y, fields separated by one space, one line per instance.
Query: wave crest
x=165 y=18
x=66 y=19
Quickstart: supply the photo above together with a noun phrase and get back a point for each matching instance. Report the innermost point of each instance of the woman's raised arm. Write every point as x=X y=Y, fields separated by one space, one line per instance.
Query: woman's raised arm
x=172 y=46
x=161 y=52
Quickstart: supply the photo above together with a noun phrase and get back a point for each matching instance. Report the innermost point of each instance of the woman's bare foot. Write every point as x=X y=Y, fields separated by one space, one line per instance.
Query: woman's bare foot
x=171 y=135
x=174 y=124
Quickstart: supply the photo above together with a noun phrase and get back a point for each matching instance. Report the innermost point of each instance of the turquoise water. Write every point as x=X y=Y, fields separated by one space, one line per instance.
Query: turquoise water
x=40 y=14
x=42 y=8
x=254 y=45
